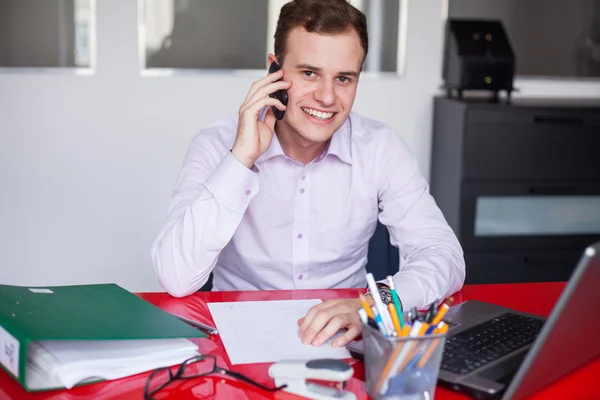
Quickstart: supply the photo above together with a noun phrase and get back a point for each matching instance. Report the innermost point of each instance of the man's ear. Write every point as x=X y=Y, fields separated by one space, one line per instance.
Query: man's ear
x=270 y=59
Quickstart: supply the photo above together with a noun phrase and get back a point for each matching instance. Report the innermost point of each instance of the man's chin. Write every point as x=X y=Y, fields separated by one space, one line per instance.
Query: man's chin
x=320 y=137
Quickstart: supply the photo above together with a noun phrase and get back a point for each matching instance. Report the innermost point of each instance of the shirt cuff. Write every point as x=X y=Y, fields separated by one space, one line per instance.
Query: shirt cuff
x=232 y=184
x=409 y=291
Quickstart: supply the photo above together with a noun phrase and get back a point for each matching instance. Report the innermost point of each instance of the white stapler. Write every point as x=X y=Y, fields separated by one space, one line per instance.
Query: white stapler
x=294 y=374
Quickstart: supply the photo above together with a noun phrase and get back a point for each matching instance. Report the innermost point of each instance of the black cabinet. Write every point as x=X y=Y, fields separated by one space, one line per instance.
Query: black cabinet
x=519 y=183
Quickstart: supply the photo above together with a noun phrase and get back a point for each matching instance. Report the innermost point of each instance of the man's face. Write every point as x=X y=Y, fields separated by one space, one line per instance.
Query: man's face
x=324 y=71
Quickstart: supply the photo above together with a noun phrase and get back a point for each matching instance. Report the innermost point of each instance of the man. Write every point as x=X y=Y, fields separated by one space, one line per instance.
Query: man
x=291 y=204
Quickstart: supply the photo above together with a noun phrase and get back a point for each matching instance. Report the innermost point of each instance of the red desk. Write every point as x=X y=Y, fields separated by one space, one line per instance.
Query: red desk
x=536 y=298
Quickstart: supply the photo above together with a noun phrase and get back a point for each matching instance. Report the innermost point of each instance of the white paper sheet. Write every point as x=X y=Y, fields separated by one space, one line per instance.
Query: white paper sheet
x=267 y=331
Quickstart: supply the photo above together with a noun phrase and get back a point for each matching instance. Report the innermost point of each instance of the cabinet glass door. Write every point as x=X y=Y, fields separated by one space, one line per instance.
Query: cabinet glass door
x=497 y=215
x=537 y=215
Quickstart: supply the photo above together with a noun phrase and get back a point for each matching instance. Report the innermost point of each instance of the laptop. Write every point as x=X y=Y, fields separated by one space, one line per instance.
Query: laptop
x=496 y=352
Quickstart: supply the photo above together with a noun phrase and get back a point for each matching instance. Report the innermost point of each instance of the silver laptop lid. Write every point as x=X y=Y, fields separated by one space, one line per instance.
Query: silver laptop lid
x=571 y=335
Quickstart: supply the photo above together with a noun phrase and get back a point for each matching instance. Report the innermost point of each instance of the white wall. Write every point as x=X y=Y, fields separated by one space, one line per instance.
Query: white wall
x=87 y=164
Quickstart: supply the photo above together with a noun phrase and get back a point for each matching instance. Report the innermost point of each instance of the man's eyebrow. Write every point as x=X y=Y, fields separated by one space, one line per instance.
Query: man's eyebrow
x=317 y=69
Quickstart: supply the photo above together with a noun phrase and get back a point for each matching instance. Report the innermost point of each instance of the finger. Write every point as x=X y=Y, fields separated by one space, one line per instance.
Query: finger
x=262 y=82
x=300 y=321
x=331 y=328
x=307 y=320
x=312 y=312
x=352 y=333
x=270 y=120
x=253 y=110
x=269 y=89
x=320 y=321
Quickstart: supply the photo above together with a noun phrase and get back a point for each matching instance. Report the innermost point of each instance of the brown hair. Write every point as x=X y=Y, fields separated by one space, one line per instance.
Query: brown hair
x=329 y=17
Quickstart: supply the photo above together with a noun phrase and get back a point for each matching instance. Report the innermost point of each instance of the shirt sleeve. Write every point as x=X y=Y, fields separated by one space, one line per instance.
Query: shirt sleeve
x=209 y=200
x=434 y=266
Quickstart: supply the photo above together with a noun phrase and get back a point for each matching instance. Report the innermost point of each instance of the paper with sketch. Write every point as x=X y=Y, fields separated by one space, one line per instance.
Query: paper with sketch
x=267 y=331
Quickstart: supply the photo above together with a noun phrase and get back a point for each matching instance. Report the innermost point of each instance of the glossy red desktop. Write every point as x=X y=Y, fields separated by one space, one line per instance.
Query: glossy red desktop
x=535 y=298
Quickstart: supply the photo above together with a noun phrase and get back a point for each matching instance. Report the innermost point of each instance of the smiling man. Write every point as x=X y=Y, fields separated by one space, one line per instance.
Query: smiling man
x=269 y=204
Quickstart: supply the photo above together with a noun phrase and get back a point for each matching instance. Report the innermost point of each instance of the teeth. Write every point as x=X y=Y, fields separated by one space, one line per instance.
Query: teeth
x=318 y=114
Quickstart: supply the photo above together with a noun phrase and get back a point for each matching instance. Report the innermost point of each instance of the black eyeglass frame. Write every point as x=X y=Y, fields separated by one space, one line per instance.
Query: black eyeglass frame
x=179 y=375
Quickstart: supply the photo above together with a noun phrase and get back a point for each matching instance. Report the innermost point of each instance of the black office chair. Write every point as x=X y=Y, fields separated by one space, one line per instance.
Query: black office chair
x=207 y=287
x=383 y=258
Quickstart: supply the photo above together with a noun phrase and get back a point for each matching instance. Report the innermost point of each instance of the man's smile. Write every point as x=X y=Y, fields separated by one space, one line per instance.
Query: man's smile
x=319 y=115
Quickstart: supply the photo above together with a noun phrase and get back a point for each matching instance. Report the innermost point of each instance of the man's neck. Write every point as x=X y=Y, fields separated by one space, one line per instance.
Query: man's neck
x=296 y=147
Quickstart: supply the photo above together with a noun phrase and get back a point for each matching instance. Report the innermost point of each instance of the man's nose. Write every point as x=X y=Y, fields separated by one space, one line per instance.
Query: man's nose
x=325 y=93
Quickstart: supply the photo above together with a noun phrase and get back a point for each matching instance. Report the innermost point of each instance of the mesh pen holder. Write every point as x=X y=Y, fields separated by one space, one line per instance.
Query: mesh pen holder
x=402 y=367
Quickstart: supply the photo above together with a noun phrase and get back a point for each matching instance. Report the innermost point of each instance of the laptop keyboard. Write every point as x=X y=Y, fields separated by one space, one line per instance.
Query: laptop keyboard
x=487 y=342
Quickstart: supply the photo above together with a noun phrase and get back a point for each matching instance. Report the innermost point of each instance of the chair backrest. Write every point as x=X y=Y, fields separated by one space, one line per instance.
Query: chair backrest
x=383 y=258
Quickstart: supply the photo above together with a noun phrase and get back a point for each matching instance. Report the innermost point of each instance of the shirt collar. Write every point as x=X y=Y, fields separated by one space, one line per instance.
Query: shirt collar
x=339 y=145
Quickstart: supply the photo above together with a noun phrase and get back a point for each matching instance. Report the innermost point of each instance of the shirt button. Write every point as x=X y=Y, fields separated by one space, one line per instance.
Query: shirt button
x=300 y=276
x=300 y=236
x=303 y=177
x=248 y=191
x=302 y=190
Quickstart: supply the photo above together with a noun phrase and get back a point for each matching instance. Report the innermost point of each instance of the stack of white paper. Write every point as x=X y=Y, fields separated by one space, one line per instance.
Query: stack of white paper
x=267 y=331
x=52 y=364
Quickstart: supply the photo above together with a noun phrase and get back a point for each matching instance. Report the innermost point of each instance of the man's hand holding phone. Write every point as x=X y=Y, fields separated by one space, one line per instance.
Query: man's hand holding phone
x=254 y=136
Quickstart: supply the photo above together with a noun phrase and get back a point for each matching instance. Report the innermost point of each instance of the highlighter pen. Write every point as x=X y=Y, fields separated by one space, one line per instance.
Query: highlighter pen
x=381 y=309
x=396 y=300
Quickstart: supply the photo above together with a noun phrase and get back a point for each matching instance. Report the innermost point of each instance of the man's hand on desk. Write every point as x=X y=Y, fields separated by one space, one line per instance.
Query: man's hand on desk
x=326 y=319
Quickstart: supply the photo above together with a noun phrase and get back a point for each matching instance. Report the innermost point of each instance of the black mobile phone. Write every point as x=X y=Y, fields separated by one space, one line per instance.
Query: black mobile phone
x=280 y=95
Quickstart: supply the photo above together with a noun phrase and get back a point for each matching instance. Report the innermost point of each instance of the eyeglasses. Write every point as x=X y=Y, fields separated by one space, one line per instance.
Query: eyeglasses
x=194 y=367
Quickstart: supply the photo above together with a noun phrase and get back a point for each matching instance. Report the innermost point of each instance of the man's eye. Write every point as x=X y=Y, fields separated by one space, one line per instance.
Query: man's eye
x=309 y=74
x=344 y=79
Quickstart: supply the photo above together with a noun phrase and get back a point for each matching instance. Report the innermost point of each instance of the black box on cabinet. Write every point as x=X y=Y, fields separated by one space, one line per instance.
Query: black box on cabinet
x=477 y=56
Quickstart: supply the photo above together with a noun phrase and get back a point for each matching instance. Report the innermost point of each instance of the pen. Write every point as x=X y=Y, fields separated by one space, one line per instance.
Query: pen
x=366 y=306
x=395 y=319
x=211 y=330
x=398 y=355
x=379 y=323
x=414 y=314
x=438 y=330
x=440 y=314
x=383 y=312
x=431 y=311
x=405 y=330
x=362 y=313
x=396 y=300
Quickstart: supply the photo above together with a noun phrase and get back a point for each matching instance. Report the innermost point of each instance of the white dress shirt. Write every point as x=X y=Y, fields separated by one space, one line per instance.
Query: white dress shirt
x=285 y=225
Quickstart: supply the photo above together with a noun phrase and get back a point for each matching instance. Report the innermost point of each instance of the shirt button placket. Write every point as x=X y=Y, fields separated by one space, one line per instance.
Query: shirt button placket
x=300 y=253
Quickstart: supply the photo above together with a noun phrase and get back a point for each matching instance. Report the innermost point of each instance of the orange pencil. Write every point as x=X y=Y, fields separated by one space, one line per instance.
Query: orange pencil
x=419 y=328
x=417 y=346
x=427 y=355
x=395 y=319
x=366 y=306
x=440 y=314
